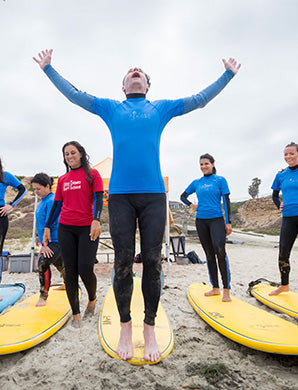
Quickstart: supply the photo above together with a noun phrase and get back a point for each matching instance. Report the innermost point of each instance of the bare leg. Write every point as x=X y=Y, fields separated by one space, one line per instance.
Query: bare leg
x=280 y=289
x=152 y=352
x=41 y=302
x=226 y=295
x=214 y=291
x=125 y=348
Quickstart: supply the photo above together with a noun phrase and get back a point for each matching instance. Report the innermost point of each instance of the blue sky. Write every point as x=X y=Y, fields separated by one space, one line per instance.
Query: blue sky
x=180 y=45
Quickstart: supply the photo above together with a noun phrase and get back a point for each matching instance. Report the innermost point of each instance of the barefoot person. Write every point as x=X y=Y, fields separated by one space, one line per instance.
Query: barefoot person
x=6 y=180
x=211 y=226
x=78 y=200
x=286 y=181
x=136 y=189
x=51 y=253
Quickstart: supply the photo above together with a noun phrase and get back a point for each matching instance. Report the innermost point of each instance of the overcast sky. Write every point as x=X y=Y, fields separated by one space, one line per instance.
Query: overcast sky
x=180 y=45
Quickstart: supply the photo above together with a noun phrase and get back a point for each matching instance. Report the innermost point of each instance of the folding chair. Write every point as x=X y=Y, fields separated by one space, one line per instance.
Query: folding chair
x=178 y=248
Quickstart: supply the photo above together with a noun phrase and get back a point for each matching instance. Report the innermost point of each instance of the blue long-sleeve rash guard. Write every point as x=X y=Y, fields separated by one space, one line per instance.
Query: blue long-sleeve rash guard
x=136 y=126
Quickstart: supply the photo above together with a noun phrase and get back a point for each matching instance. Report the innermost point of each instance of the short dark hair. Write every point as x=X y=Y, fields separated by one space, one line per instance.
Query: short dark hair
x=43 y=179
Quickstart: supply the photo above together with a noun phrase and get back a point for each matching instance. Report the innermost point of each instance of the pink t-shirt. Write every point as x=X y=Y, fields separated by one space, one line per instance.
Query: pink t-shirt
x=74 y=191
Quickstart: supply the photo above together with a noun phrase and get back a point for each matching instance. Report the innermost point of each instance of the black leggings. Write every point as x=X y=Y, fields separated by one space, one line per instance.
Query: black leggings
x=3 y=231
x=288 y=234
x=44 y=268
x=212 y=234
x=150 y=211
x=78 y=253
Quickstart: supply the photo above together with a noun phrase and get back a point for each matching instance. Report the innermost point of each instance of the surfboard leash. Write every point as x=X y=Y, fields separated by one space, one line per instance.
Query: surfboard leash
x=260 y=280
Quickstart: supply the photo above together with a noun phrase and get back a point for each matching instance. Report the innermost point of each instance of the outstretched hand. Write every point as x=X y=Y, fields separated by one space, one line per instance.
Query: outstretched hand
x=232 y=65
x=45 y=58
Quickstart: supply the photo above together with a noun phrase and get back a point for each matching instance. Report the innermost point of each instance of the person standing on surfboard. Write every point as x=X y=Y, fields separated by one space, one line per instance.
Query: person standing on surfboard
x=51 y=253
x=286 y=181
x=7 y=179
x=79 y=201
x=136 y=188
x=211 y=226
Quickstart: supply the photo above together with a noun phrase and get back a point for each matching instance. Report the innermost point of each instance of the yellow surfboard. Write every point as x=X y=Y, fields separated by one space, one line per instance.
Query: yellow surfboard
x=286 y=302
x=24 y=325
x=245 y=323
x=109 y=326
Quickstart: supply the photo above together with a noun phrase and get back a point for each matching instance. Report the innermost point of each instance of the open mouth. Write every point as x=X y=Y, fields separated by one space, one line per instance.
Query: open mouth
x=136 y=74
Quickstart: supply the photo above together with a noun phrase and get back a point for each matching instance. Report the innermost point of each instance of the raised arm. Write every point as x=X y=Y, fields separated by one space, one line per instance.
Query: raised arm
x=202 y=98
x=82 y=99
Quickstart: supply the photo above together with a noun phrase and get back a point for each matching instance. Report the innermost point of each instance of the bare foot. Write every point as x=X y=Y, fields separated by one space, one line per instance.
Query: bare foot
x=226 y=295
x=280 y=289
x=77 y=317
x=1 y=299
x=214 y=291
x=62 y=287
x=90 y=309
x=152 y=352
x=125 y=348
x=41 y=302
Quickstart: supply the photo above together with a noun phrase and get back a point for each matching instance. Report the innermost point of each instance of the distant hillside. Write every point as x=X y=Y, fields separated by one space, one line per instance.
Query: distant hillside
x=260 y=214
x=254 y=214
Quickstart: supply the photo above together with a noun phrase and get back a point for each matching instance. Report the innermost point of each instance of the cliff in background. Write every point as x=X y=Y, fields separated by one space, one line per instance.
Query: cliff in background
x=255 y=214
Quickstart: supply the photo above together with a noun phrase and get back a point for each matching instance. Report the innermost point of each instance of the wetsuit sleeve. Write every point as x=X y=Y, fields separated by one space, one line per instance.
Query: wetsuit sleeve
x=184 y=199
x=227 y=208
x=275 y=198
x=98 y=203
x=202 y=98
x=54 y=214
x=77 y=97
x=20 y=195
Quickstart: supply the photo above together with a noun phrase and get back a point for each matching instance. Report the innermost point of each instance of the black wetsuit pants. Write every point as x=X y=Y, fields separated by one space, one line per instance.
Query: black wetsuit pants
x=288 y=234
x=44 y=268
x=3 y=231
x=78 y=253
x=150 y=212
x=212 y=234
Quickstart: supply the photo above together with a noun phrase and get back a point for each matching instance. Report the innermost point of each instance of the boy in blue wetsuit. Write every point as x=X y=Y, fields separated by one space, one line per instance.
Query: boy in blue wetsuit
x=50 y=254
x=136 y=191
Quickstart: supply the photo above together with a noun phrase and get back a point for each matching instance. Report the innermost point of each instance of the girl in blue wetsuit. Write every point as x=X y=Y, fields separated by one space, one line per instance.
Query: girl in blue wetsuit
x=287 y=182
x=50 y=254
x=211 y=226
x=7 y=179
x=136 y=188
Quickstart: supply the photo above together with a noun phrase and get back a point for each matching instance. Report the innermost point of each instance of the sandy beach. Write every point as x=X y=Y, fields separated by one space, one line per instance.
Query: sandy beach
x=73 y=359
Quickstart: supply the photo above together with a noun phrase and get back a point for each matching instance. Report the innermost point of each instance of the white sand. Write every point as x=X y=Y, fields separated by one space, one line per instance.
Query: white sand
x=74 y=358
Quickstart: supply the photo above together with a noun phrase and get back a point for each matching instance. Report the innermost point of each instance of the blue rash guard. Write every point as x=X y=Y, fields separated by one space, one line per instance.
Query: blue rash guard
x=42 y=214
x=11 y=180
x=287 y=182
x=136 y=126
x=210 y=190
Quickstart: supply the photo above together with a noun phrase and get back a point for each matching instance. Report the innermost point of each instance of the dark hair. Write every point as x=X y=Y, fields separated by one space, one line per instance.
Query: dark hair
x=1 y=173
x=292 y=144
x=146 y=75
x=84 y=159
x=43 y=179
x=211 y=159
